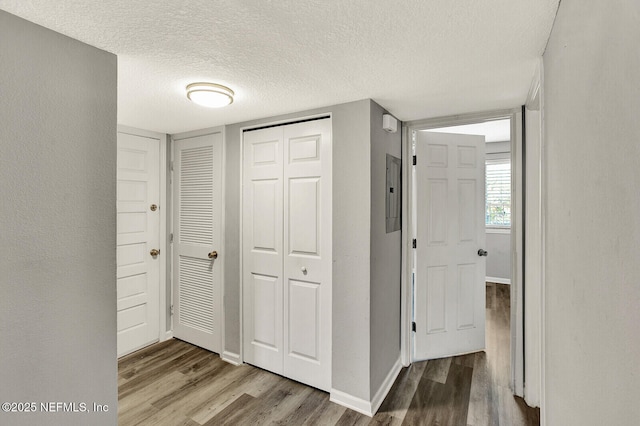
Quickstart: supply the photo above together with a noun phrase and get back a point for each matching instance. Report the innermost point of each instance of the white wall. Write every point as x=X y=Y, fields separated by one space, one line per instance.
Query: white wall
x=58 y=224
x=592 y=140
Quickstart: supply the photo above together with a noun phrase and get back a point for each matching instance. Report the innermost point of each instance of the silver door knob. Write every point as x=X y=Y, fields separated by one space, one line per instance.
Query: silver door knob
x=483 y=252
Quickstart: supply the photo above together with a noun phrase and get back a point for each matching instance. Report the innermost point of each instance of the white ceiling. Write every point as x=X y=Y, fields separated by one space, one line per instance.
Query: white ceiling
x=417 y=58
x=493 y=131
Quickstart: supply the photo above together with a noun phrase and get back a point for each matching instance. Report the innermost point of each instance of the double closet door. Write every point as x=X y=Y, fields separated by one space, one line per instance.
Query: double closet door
x=287 y=250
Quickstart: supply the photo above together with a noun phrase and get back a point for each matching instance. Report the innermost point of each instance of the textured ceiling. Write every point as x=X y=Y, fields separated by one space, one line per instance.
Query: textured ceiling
x=417 y=58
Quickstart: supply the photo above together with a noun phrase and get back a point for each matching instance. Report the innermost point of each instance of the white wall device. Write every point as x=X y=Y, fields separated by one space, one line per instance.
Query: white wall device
x=389 y=123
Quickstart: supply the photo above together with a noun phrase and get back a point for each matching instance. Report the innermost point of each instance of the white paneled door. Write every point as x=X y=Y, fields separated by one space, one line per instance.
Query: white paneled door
x=197 y=256
x=262 y=232
x=138 y=233
x=449 y=291
x=287 y=250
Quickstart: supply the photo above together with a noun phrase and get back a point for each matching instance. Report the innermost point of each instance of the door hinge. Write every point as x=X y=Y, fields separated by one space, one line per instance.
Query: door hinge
x=413 y=326
x=171 y=237
x=172 y=166
x=172 y=310
x=415 y=160
x=415 y=243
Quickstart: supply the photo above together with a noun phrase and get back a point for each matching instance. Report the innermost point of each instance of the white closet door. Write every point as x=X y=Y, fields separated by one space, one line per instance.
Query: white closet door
x=138 y=275
x=307 y=253
x=197 y=277
x=262 y=248
x=287 y=251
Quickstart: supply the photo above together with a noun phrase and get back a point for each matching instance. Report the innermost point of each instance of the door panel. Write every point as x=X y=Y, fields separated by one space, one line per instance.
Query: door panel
x=466 y=296
x=307 y=248
x=265 y=305
x=265 y=200
x=303 y=220
x=197 y=289
x=437 y=225
x=287 y=244
x=436 y=295
x=262 y=249
x=138 y=231
x=304 y=331
x=449 y=302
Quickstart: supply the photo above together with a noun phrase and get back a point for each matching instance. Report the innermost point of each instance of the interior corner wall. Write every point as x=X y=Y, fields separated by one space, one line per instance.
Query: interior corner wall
x=351 y=241
x=386 y=257
x=592 y=152
x=58 y=222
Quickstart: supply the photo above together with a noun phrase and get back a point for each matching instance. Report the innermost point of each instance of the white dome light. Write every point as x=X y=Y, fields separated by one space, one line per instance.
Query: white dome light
x=210 y=95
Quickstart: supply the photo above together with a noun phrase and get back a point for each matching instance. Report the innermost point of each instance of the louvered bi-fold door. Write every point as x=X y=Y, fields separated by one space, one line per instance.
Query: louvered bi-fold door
x=197 y=278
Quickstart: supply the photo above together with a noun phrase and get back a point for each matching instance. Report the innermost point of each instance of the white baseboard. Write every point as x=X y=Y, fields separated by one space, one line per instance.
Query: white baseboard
x=498 y=280
x=352 y=402
x=368 y=408
x=231 y=357
x=386 y=385
x=168 y=335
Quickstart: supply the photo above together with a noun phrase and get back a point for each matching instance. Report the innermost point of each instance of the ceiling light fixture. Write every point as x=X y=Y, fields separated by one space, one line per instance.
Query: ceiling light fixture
x=210 y=95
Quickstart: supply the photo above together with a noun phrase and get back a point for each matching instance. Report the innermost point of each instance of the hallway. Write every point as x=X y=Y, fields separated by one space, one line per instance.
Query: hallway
x=175 y=383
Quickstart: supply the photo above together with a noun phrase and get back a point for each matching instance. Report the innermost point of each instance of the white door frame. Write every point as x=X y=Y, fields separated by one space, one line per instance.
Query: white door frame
x=163 y=332
x=187 y=135
x=240 y=358
x=535 y=225
x=517 y=370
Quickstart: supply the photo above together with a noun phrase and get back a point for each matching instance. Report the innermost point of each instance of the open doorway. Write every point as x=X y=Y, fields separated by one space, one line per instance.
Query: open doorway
x=503 y=220
x=497 y=135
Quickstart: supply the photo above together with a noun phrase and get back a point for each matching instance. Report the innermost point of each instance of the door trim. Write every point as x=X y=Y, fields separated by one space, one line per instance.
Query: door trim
x=516 y=381
x=239 y=358
x=187 y=135
x=164 y=333
x=534 y=303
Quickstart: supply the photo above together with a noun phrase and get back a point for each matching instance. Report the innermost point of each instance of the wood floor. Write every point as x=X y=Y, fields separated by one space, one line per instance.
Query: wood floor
x=175 y=383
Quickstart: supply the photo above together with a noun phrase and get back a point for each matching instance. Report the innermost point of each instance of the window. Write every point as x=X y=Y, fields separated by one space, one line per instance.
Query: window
x=498 y=192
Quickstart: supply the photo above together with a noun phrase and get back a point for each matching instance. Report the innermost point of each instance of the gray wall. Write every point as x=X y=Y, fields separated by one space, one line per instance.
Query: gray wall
x=498 y=245
x=386 y=256
x=592 y=173
x=58 y=222
x=351 y=242
x=499 y=259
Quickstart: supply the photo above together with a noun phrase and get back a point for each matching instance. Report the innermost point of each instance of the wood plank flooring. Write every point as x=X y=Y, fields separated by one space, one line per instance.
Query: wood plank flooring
x=175 y=383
